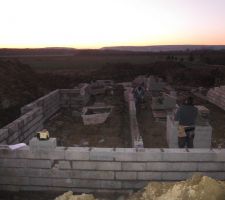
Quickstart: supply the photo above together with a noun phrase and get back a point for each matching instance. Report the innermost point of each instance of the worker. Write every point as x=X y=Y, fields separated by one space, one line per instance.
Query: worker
x=139 y=93
x=186 y=115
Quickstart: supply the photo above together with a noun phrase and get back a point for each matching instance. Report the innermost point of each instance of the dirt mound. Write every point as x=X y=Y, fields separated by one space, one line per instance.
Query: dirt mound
x=18 y=86
x=196 y=188
x=69 y=196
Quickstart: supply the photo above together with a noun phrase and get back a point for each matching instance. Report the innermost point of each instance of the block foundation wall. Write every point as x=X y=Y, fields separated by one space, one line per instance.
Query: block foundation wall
x=33 y=115
x=43 y=166
x=134 y=128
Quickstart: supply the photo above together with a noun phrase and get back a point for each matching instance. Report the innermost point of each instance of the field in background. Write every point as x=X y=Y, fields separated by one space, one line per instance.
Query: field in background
x=85 y=62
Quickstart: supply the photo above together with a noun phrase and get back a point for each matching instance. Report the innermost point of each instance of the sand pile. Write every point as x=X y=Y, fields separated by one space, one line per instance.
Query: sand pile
x=69 y=196
x=196 y=188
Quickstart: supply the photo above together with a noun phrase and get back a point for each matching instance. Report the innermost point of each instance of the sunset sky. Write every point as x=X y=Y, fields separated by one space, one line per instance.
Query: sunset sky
x=98 y=23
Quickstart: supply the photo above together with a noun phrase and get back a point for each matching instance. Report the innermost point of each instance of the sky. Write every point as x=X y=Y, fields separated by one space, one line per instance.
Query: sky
x=99 y=23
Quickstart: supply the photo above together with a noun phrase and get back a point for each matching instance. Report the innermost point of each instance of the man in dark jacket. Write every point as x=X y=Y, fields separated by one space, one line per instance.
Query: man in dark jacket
x=186 y=115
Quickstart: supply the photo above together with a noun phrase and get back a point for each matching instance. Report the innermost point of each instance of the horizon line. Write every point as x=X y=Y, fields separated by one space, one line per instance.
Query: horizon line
x=90 y=48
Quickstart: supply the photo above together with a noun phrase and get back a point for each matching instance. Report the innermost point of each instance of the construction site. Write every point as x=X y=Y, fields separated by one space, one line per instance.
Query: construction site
x=101 y=141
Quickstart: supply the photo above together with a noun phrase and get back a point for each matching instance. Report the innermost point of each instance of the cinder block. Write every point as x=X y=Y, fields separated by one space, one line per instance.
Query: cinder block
x=36 y=144
x=156 y=176
x=102 y=154
x=176 y=155
x=40 y=181
x=68 y=182
x=57 y=154
x=176 y=176
x=31 y=132
x=13 y=138
x=39 y=173
x=134 y=184
x=105 y=175
x=39 y=163
x=13 y=188
x=19 y=153
x=14 y=180
x=149 y=155
x=171 y=166
x=32 y=123
x=63 y=164
x=126 y=175
x=91 y=165
x=98 y=184
x=13 y=172
x=216 y=166
x=132 y=166
x=12 y=128
x=18 y=163
x=125 y=154
x=49 y=173
x=3 y=134
x=201 y=155
x=219 y=155
x=77 y=153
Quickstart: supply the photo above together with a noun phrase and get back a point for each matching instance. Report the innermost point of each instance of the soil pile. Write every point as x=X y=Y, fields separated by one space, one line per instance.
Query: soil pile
x=196 y=188
x=69 y=196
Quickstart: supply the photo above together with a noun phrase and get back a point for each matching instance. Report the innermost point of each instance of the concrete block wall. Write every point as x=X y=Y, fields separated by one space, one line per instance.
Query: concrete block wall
x=203 y=134
x=217 y=96
x=23 y=128
x=33 y=115
x=74 y=98
x=49 y=103
x=102 y=169
x=134 y=129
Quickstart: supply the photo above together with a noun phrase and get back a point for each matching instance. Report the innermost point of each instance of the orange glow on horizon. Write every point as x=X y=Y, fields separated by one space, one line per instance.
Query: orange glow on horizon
x=99 y=23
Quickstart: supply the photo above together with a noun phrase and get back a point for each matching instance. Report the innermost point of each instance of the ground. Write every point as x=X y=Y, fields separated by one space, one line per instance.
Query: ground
x=115 y=132
x=70 y=130
x=153 y=132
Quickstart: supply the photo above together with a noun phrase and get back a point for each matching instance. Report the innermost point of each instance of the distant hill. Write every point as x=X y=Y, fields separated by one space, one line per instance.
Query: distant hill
x=160 y=48
x=117 y=50
x=49 y=51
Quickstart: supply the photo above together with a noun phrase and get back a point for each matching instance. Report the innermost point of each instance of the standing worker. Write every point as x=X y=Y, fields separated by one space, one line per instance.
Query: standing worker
x=186 y=115
x=139 y=93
